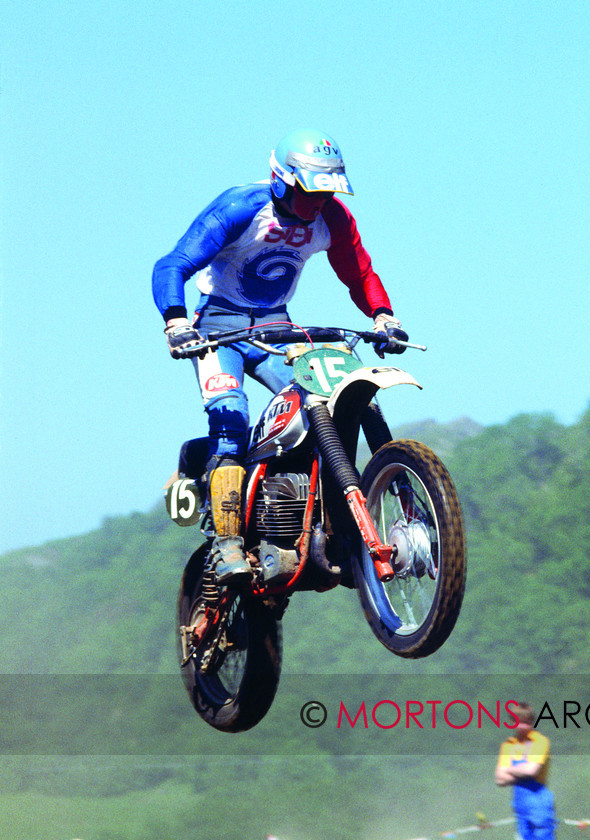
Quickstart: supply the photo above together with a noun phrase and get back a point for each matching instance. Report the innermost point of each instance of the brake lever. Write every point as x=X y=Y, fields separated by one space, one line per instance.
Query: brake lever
x=371 y=337
x=408 y=344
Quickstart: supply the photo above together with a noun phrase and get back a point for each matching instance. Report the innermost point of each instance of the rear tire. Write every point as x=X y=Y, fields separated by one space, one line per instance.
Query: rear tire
x=237 y=689
x=413 y=502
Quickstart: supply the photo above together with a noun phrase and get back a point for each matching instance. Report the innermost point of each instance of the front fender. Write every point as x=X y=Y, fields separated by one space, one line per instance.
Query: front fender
x=361 y=385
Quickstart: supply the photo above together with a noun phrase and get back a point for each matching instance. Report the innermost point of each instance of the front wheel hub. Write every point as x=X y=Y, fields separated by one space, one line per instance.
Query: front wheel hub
x=412 y=541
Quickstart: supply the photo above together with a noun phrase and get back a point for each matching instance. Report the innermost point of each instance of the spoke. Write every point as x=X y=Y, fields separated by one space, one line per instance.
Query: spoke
x=407 y=605
x=422 y=509
x=383 y=518
x=409 y=597
x=400 y=508
x=231 y=671
x=424 y=595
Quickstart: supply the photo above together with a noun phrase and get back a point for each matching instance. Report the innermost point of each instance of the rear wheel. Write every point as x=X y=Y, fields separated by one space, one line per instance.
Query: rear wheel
x=414 y=505
x=232 y=675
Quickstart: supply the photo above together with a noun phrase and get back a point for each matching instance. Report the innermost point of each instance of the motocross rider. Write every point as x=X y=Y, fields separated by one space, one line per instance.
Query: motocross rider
x=247 y=249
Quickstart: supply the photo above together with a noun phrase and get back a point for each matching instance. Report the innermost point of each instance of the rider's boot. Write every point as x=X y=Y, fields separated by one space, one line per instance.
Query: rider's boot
x=225 y=490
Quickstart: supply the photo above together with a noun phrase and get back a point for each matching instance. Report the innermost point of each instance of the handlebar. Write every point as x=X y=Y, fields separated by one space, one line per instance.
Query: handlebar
x=290 y=334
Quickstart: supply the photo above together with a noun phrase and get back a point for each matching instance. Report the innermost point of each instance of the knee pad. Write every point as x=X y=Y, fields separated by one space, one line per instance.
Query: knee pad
x=228 y=425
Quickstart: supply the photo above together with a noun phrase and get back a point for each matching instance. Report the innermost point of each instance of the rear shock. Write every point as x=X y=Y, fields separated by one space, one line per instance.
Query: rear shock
x=210 y=592
x=347 y=479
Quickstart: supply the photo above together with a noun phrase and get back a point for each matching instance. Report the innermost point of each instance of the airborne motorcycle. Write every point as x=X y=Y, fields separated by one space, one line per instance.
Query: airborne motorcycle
x=312 y=523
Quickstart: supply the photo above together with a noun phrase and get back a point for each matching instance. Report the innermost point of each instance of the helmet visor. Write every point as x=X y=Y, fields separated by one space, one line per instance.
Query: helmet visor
x=317 y=175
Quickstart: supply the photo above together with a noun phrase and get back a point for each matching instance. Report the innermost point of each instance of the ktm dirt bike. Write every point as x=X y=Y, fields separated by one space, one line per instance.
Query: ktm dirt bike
x=311 y=522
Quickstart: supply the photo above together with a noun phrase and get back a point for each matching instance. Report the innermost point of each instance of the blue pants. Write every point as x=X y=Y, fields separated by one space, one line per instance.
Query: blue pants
x=536 y=829
x=535 y=813
x=221 y=376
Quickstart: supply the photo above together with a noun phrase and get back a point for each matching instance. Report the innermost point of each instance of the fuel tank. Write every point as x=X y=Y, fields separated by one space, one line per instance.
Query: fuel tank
x=281 y=426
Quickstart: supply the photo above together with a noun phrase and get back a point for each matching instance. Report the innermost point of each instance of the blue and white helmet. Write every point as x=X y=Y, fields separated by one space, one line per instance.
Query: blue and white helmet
x=311 y=159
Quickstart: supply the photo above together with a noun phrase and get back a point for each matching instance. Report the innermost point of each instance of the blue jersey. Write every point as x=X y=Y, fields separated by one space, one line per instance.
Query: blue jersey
x=242 y=250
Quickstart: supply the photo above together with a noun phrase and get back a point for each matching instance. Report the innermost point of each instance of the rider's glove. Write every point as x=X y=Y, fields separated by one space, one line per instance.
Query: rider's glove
x=181 y=336
x=391 y=329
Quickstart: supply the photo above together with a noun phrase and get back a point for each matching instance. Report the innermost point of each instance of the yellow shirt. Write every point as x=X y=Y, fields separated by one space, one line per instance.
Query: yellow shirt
x=534 y=748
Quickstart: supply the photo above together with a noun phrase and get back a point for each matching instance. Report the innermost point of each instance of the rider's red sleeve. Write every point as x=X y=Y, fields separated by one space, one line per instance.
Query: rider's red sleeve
x=351 y=262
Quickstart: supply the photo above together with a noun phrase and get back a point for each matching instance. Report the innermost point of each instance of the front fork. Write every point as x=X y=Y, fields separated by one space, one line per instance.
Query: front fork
x=381 y=553
x=346 y=476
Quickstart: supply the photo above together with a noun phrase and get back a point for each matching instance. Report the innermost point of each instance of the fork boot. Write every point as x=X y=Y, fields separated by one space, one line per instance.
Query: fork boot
x=227 y=552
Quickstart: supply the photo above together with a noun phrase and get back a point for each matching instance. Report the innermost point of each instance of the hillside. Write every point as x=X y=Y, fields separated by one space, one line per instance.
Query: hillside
x=443 y=438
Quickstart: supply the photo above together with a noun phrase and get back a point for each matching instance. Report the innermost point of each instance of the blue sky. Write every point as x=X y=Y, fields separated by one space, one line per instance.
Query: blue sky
x=465 y=130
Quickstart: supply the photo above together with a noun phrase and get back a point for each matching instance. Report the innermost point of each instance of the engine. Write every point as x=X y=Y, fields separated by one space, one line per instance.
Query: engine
x=280 y=509
x=281 y=505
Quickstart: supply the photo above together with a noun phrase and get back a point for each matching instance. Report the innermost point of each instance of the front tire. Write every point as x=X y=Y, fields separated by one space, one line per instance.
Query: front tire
x=414 y=505
x=236 y=688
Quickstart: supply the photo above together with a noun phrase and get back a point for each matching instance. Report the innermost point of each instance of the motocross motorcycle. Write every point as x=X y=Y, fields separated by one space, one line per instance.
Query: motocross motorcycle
x=311 y=522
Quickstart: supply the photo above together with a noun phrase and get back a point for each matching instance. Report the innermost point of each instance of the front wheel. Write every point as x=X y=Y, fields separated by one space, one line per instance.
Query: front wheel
x=414 y=505
x=232 y=676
